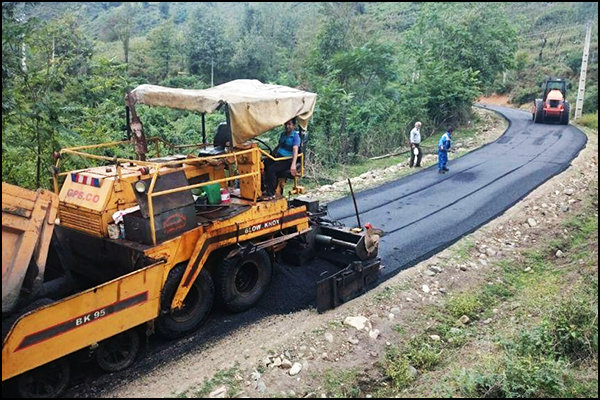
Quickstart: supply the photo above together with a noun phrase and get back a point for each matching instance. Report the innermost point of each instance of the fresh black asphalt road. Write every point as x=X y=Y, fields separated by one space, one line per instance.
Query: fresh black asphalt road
x=420 y=215
x=425 y=212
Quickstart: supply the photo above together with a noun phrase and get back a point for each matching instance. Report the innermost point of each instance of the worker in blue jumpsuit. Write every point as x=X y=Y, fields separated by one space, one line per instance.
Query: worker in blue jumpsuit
x=443 y=146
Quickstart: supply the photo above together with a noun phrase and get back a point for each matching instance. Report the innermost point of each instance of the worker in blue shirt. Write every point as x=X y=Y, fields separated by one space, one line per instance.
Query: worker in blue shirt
x=444 y=145
x=289 y=143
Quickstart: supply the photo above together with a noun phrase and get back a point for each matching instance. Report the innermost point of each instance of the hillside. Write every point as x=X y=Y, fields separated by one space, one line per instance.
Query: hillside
x=376 y=67
x=550 y=34
x=551 y=44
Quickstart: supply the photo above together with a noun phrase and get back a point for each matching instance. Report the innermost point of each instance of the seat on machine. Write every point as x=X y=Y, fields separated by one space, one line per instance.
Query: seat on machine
x=220 y=142
x=283 y=176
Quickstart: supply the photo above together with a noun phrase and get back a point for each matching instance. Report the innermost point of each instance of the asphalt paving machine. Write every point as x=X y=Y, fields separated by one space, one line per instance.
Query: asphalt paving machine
x=149 y=243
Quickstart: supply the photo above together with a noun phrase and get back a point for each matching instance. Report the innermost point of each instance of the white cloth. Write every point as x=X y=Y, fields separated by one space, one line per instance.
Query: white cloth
x=118 y=215
x=415 y=136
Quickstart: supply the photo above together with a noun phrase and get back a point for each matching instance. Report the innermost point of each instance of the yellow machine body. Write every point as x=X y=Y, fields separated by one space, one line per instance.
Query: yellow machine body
x=89 y=198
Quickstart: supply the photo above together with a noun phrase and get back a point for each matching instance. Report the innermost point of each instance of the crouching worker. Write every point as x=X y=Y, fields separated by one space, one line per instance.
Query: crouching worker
x=289 y=143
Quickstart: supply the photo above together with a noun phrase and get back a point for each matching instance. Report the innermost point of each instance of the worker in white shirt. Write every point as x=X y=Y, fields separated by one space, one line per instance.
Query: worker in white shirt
x=415 y=142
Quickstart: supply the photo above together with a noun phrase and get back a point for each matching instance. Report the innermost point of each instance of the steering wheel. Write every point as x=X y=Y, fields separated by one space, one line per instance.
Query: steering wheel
x=270 y=150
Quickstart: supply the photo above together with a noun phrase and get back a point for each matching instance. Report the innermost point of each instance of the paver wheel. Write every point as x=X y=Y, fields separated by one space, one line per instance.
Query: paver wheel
x=242 y=280
x=48 y=380
x=539 y=111
x=196 y=306
x=118 y=352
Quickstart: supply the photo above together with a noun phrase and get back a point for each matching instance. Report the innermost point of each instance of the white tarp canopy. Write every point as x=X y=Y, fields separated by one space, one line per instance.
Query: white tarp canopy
x=254 y=107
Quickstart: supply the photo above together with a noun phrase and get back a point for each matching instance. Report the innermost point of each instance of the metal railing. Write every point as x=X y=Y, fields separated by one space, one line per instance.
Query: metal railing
x=154 y=169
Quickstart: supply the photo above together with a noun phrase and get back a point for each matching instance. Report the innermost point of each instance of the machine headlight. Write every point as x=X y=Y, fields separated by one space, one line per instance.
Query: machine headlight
x=140 y=187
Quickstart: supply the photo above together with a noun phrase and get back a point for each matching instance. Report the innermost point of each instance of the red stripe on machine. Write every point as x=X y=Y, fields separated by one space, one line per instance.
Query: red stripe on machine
x=86 y=180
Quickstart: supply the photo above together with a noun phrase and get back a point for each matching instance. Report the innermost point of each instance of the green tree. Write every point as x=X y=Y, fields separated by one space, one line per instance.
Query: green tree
x=453 y=52
x=164 y=10
x=119 y=26
x=335 y=35
x=207 y=47
x=464 y=35
x=266 y=39
x=164 y=49
x=51 y=54
x=351 y=72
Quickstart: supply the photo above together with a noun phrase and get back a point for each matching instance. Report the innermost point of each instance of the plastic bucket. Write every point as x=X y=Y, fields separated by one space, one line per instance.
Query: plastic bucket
x=225 y=197
x=213 y=191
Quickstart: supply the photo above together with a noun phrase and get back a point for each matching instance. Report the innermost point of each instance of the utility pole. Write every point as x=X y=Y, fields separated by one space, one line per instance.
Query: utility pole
x=23 y=58
x=212 y=70
x=584 y=62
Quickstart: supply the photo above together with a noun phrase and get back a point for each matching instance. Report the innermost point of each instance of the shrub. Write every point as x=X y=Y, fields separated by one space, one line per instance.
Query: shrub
x=589 y=120
x=573 y=327
x=465 y=304
x=397 y=369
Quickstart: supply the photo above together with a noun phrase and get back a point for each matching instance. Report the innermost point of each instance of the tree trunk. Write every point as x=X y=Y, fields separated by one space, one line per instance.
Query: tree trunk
x=126 y=50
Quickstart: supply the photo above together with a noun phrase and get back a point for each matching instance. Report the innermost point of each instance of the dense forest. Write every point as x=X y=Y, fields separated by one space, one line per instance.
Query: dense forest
x=376 y=67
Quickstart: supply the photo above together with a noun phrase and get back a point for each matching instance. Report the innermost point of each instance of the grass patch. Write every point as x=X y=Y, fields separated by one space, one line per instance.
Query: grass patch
x=386 y=294
x=556 y=356
x=341 y=384
x=469 y=304
x=423 y=353
x=319 y=331
x=542 y=343
x=581 y=229
x=463 y=250
x=589 y=120
x=403 y=364
x=572 y=328
x=335 y=324
x=225 y=377
x=398 y=369
x=520 y=377
x=390 y=292
x=548 y=359
x=498 y=292
x=399 y=328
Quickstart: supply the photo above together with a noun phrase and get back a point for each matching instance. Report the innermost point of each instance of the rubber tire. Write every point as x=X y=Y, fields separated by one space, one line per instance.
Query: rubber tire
x=48 y=380
x=196 y=306
x=118 y=352
x=539 y=112
x=242 y=280
x=564 y=118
